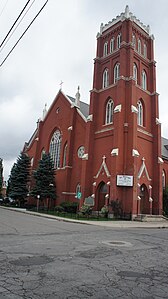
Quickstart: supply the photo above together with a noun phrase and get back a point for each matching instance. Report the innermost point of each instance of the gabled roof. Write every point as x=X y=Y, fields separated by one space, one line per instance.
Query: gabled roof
x=27 y=144
x=83 y=110
x=164 y=142
x=84 y=107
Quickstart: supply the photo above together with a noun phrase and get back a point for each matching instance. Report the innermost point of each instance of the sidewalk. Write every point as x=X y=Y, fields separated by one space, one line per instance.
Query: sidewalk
x=110 y=224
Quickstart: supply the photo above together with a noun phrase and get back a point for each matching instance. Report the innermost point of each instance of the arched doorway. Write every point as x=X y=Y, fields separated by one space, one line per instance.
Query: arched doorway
x=144 y=203
x=101 y=192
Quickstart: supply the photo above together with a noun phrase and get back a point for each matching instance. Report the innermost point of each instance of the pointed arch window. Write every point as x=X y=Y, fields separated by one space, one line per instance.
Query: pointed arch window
x=163 y=180
x=105 y=49
x=144 y=80
x=135 y=73
x=140 y=113
x=118 y=40
x=32 y=161
x=109 y=111
x=55 y=148
x=116 y=72
x=139 y=46
x=134 y=41
x=106 y=78
x=103 y=188
x=65 y=155
x=42 y=153
x=145 y=50
x=78 y=189
x=112 y=45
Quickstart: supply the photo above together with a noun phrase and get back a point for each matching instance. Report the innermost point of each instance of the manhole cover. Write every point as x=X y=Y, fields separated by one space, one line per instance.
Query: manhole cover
x=117 y=243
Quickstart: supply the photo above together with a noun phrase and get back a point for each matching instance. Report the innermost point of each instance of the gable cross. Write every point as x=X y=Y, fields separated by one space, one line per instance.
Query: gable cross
x=61 y=85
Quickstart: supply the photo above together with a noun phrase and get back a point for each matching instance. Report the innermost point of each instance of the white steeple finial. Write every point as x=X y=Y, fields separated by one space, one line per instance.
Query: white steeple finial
x=77 y=97
x=44 y=111
x=148 y=29
x=127 y=11
x=101 y=28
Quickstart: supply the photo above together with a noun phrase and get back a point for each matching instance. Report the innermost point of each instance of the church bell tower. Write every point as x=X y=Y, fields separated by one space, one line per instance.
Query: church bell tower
x=123 y=136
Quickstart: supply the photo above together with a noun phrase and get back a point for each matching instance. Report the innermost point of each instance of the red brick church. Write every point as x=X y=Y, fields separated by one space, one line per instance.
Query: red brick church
x=111 y=149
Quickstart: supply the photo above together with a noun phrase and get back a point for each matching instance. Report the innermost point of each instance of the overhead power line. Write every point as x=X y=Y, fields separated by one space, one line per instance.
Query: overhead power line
x=14 y=23
x=24 y=33
x=11 y=34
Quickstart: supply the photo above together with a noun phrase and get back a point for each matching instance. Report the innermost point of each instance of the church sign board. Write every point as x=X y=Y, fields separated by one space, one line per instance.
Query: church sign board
x=125 y=180
x=89 y=201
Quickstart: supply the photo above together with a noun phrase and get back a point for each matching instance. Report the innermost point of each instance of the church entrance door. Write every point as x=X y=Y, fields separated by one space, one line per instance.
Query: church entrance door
x=145 y=205
x=101 y=192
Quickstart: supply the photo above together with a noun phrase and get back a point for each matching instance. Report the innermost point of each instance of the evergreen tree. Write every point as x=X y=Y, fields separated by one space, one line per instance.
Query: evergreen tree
x=44 y=177
x=11 y=178
x=19 y=178
x=1 y=176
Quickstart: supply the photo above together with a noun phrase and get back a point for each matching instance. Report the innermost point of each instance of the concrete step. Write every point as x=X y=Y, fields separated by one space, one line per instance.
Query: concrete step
x=150 y=218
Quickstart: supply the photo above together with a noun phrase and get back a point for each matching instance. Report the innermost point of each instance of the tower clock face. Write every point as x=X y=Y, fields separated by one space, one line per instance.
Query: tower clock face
x=81 y=151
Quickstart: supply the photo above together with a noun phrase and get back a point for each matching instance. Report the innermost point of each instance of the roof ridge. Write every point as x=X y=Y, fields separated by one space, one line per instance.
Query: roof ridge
x=80 y=100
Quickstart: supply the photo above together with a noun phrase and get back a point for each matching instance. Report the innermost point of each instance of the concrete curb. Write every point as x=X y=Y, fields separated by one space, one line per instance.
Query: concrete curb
x=107 y=224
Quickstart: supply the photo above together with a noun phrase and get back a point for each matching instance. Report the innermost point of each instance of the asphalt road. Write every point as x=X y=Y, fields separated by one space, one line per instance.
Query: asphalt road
x=45 y=259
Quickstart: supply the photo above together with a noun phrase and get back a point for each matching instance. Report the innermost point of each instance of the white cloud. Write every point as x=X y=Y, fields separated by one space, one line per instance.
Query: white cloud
x=7 y=164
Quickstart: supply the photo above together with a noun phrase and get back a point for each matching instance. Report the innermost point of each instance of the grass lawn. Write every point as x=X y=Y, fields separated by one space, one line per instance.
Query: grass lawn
x=78 y=216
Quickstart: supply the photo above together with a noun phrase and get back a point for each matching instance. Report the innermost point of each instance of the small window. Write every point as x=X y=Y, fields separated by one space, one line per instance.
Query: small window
x=116 y=72
x=144 y=80
x=134 y=41
x=135 y=73
x=106 y=78
x=118 y=41
x=145 y=51
x=140 y=113
x=163 y=180
x=112 y=45
x=109 y=112
x=105 y=49
x=139 y=46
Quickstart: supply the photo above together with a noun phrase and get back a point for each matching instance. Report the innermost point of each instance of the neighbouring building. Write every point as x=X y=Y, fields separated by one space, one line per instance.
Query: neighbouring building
x=111 y=149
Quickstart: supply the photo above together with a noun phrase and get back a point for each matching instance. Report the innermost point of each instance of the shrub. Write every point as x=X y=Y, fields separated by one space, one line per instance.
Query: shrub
x=86 y=210
x=69 y=207
x=59 y=209
x=104 y=211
